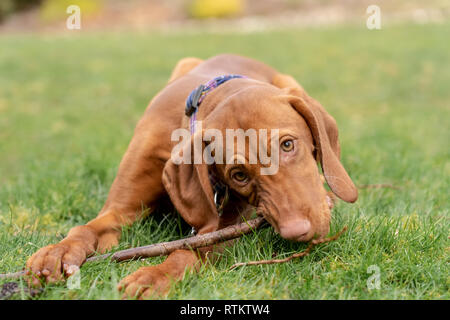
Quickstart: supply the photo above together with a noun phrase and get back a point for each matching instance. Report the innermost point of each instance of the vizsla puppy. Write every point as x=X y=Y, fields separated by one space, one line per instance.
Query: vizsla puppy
x=293 y=199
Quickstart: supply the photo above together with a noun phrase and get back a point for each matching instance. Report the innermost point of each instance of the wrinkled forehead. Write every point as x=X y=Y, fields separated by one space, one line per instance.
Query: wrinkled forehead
x=251 y=121
x=257 y=108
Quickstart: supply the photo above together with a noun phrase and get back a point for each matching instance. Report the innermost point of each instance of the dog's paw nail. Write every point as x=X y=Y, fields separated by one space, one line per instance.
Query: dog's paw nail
x=72 y=269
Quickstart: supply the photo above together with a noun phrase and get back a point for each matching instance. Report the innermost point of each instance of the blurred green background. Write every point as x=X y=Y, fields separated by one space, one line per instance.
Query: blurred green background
x=69 y=101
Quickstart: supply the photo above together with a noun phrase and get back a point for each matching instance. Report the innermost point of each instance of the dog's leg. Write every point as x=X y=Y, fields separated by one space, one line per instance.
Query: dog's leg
x=137 y=185
x=287 y=82
x=184 y=66
x=282 y=81
x=154 y=281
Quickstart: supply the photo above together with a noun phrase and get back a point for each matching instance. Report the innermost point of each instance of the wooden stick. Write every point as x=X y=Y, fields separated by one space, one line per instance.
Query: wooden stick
x=378 y=186
x=12 y=275
x=165 y=248
x=204 y=240
x=312 y=244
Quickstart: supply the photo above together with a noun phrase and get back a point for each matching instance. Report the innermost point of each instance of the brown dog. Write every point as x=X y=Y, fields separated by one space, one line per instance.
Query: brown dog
x=293 y=200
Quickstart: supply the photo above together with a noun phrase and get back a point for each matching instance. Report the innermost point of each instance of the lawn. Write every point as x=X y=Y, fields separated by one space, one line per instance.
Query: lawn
x=69 y=104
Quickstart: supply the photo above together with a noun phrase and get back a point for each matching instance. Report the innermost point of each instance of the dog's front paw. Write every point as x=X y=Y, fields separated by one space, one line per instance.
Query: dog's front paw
x=146 y=282
x=52 y=263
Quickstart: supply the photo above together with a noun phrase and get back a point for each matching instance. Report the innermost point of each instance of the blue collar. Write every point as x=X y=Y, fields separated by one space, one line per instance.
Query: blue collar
x=197 y=95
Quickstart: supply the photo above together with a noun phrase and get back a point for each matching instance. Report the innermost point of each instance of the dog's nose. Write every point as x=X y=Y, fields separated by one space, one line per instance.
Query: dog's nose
x=296 y=230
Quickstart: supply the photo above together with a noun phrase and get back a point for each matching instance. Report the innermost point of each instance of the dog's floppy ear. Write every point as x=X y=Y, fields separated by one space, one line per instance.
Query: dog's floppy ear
x=190 y=190
x=325 y=133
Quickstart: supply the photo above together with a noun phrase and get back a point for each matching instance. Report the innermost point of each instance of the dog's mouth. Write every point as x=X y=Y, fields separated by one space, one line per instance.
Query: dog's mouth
x=268 y=218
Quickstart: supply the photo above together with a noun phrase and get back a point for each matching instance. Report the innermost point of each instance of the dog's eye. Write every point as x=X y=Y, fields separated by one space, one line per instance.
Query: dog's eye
x=239 y=176
x=287 y=145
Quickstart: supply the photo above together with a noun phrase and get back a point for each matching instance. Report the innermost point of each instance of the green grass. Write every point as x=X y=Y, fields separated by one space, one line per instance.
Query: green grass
x=69 y=104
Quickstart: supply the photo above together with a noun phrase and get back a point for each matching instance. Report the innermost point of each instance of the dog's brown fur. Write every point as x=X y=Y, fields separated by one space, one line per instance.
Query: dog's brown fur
x=293 y=200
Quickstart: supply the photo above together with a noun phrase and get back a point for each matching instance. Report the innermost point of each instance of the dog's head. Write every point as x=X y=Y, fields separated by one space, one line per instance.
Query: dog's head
x=291 y=197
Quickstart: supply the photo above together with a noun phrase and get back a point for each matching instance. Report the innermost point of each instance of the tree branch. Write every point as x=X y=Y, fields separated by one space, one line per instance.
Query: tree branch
x=311 y=245
x=378 y=186
x=165 y=248
x=204 y=240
